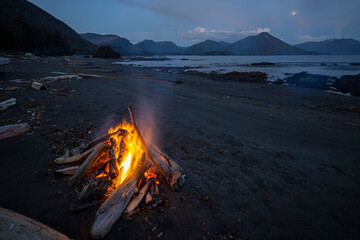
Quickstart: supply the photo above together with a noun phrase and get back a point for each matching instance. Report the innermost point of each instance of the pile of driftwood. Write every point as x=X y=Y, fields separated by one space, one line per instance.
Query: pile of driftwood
x=96 y=175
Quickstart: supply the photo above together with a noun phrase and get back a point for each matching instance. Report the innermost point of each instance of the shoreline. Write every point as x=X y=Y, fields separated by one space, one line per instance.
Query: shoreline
x=262 y=160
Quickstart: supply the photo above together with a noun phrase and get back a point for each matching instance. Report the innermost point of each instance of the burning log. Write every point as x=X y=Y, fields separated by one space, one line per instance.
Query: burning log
x=13 y=130
x=94 y=187
x=174 y=177
x=113 y=166
x=91 y=185
x=111 y=210
x=16 y=226
x=136 y=200
x=87 y=164
x=105 y=138
x=68 y=171
x=75 y=158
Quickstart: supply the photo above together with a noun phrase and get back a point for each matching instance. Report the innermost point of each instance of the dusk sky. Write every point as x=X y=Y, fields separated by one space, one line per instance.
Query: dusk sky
x=190 y=21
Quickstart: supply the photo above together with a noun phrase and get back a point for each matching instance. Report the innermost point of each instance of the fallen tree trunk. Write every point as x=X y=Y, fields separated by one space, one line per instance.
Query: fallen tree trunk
x=87 y=164
x=13 y=130
x=111 y=210
x=75 y=158
x=68 y=171
x=8 y=103
x=16 y=226
x=174 y=177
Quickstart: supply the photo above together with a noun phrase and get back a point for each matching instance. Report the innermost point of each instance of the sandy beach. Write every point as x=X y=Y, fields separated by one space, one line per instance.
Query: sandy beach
x=262 y=161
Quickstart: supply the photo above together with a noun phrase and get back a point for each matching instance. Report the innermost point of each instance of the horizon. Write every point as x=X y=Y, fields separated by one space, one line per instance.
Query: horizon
x=109 y=34
x=188 y=23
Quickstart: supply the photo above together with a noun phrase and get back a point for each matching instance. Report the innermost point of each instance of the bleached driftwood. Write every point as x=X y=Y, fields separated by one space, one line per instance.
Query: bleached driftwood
x=61 y=77
x=16 y=226
x=67 y=171
x=174 y=177
x=8 y=103
x=86 y=165
x=13 y=130
x=111 y=210
x=75 y=158
x=136 y=200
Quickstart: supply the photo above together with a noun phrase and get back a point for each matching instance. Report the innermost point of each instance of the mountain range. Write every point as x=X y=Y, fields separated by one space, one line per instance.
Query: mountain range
x=333 y=46
x=261 y=44
x=27 y=28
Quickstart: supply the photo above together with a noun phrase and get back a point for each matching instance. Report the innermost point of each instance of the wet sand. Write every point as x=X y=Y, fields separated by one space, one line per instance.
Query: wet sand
x=262 y=161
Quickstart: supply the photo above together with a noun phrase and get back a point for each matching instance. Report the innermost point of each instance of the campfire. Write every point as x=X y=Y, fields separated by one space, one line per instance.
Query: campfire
x=122 y=168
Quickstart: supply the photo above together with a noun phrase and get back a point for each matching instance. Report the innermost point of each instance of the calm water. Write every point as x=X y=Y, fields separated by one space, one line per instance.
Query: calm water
x=324 y=64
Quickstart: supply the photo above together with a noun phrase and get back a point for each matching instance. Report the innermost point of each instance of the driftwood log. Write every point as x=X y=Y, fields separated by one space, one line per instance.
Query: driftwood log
x=136 y=200
x=105 y=138
x=111 y=210
x=8 y=103
x=75 y=158
x=13 y=130
x=16 y=226
x=174 y=176
x=67 y=171
x=38 y=86
x=86 y=165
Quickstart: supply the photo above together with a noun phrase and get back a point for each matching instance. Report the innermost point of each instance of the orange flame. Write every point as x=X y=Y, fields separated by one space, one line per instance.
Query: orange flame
x=131 y=148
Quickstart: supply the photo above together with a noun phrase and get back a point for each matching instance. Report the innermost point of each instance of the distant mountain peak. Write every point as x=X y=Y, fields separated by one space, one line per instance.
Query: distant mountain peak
x=344 y=46
x=263 y=44
x=27 y=28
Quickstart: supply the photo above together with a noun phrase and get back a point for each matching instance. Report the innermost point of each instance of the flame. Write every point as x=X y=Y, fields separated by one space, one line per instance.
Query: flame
x=131 y=148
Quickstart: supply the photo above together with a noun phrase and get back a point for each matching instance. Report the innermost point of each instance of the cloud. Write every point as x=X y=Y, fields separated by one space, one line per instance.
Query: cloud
x=308 y=38
x=199 y=34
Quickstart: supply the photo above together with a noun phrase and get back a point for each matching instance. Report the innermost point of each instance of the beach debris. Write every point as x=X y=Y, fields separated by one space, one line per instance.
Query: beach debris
x=10 y=88
x=13 y=130
x=8 y=103
x=75 y=158
x=123 y=169
x=68 y=170
x=20 y=80
x=16 y=226
x=160 y=235
x=38 y=86
x=86 y=75
x=57 y=78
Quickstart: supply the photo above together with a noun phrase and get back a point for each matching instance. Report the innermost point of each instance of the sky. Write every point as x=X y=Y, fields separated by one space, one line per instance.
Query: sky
x=186 y=22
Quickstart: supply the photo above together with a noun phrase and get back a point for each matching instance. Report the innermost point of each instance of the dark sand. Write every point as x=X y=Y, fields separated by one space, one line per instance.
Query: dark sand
x=262 y=161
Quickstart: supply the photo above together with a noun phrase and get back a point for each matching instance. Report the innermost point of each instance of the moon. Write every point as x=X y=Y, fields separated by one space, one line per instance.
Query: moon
x=293 y=13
